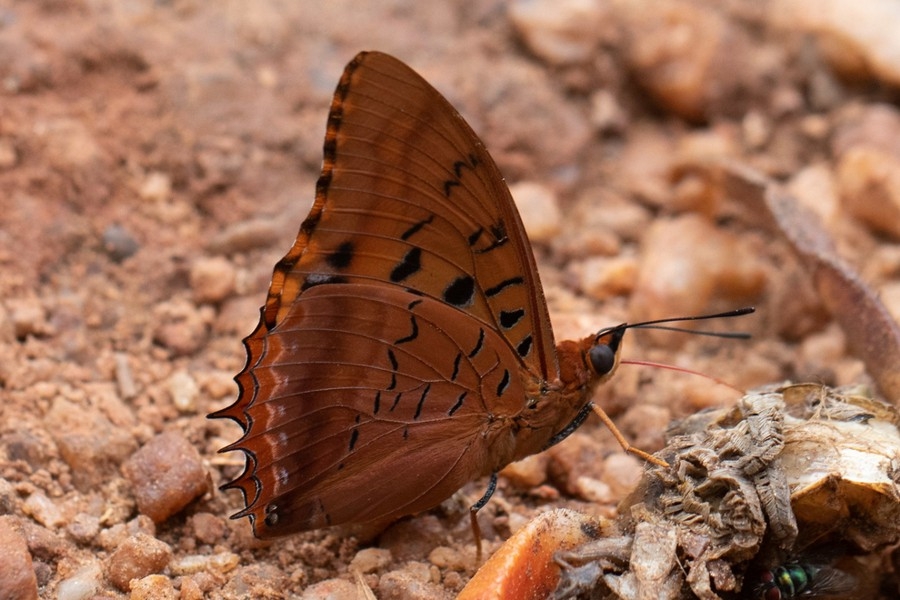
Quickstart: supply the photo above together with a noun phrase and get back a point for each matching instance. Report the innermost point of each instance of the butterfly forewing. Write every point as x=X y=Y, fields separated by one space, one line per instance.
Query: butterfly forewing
x=410 y=197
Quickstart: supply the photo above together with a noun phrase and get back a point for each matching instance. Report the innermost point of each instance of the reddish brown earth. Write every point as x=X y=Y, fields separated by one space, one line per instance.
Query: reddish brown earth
x=157 y=158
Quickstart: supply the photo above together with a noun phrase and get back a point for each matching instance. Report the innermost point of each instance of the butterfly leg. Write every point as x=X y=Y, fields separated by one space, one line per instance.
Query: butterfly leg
x=473 y=512
x=582 y=415
x=623 y=442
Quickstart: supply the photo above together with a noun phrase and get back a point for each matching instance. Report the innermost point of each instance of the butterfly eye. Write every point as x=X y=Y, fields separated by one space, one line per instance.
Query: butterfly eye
x=603 y=359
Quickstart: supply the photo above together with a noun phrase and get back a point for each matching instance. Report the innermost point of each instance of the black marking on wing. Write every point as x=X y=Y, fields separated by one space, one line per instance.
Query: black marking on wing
x=396 y=402
x=498 y=231
x=461 y=292
x=448 y=185
x=504 y=382
x=458 y=405
x=524 y=346
x=406 y=432
x=394 y=365
x=354 y=435
x=458 y=167
x=493 y=291
x=509 y=318
x=478 y=344
x=413 y=334
x=340 y=258
x=377 y=405
x=416 y=228
x=422 y=401
x=393 y=359
x=408 y=265
x=473 y=238
x=456 y=366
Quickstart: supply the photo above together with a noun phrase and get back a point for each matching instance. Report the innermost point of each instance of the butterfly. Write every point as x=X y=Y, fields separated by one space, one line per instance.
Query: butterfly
x=405 y=346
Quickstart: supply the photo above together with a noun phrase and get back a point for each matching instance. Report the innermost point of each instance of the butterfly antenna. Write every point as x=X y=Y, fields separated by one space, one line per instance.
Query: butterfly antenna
x=659 y=324
x=737 y=335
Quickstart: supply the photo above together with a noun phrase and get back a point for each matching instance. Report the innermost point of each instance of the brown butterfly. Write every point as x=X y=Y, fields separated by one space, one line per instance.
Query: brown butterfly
x=405 y=347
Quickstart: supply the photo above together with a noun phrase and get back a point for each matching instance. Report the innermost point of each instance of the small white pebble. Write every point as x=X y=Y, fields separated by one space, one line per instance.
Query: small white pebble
x=184 y=391
x=83 y=584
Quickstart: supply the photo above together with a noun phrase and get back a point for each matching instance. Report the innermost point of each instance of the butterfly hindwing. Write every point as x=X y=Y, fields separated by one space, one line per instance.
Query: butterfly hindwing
x=360 y=413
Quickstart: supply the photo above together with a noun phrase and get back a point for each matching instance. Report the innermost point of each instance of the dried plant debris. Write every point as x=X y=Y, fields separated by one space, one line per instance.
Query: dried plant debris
x=793 y=492
x=872 y=333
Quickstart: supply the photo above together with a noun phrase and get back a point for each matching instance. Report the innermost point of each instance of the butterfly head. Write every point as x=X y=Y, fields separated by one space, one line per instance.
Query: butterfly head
x=603 y=354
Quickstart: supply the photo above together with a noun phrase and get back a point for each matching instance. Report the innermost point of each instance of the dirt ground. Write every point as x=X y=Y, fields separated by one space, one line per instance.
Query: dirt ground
x=157 y=158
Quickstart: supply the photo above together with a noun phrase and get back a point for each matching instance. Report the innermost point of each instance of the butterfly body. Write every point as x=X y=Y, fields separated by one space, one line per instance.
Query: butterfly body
x=405 y=347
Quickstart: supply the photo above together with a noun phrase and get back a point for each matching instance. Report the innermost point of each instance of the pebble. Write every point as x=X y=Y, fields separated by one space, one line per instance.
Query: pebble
x=604 y=277
x=212 y=279
x=200 y=563
x=184 y=391
x=369 y=560
x=859 y=38
x=331 y=589
x=156 y=187
x=190 y=589
x=539 y=208
x=43 y=543
x=672 y=50
x=527 y=473
x=124 y=377
x=181 y=327
x=685 y=263
x=31 y=445
x=81 y=585
x=592 y=490
x=43 y=510
x=815 y=188
x=607 y=115
x=112 y=537
x=28 y=317
x=449 y=558
x=869 y=183
x=118 y=243
x=137 y=557
x=208 y=528
x=413 y=538
x=69 y=144
x=622 y=472
x=559 y=31
x=578 y=455
x=88 y=442
x=246 y=235
x=413 y=582
x=83 y=528
x=9 y=157
x=17 y=578
x=153 y=587
x=9 y=498
x=756 y=129
x=167 y=474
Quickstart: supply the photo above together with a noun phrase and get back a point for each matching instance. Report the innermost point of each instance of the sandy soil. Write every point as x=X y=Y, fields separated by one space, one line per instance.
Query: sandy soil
x=157 y=158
